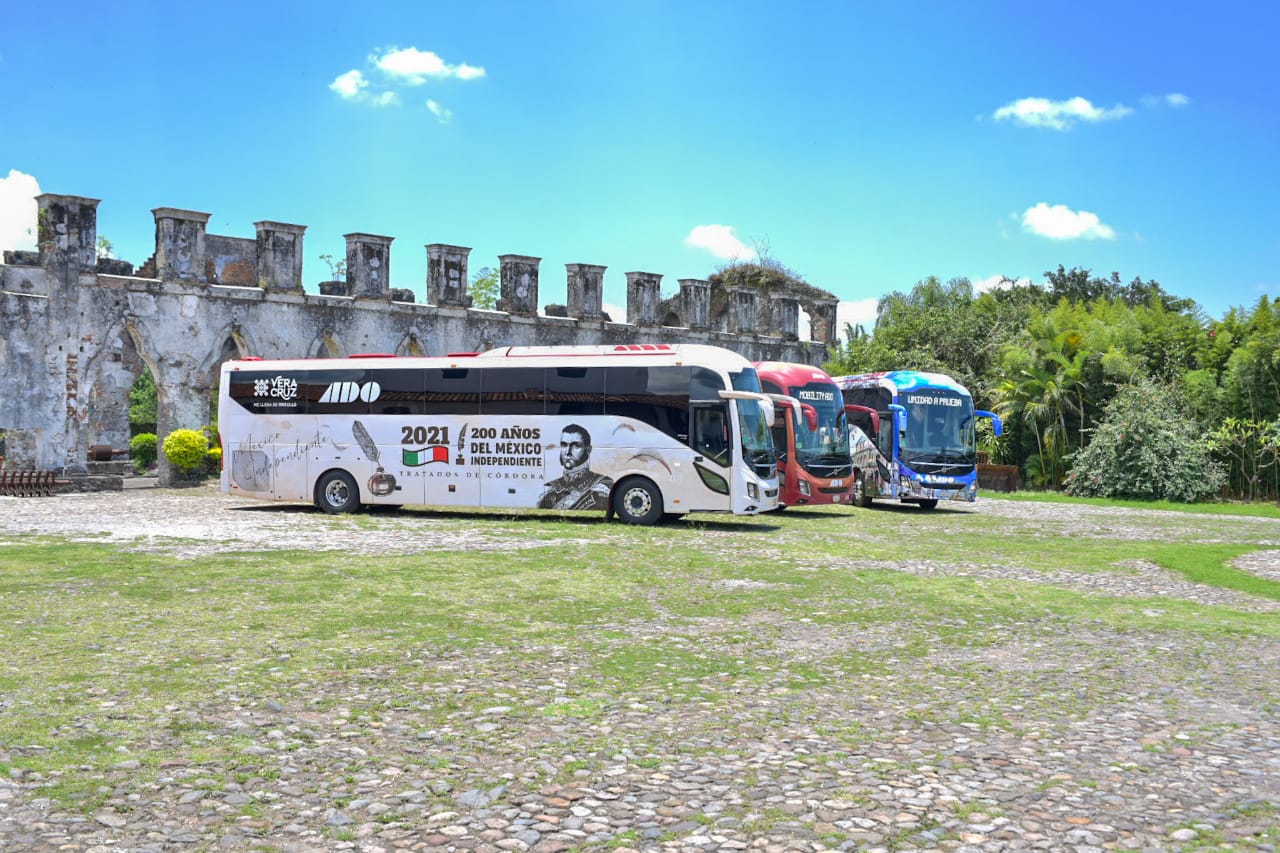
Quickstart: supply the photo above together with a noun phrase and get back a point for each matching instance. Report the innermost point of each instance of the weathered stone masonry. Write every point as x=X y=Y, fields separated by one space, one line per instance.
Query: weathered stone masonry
x=76 y=331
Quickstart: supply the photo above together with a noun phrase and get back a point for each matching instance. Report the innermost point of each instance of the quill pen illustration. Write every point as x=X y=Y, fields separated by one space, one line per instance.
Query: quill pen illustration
x=381 y=483
x=366 y=442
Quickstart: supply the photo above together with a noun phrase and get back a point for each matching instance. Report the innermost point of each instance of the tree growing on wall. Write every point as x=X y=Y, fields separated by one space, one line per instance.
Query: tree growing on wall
x=485 y=288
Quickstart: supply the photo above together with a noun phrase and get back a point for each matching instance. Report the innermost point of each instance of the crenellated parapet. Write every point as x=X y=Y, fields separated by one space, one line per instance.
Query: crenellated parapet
x=585 y=289
x=78 y=329
x=644 y=295
x=368 y=266
x=518 y=284
x=278 y=256
x=447 y=275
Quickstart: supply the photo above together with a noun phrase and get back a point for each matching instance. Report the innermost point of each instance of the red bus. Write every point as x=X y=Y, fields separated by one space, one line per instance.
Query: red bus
x=812 y=441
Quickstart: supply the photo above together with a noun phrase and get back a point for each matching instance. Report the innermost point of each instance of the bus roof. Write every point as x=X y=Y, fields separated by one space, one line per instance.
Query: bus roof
x=900 y=380
x=527 y=356
x=789 y=373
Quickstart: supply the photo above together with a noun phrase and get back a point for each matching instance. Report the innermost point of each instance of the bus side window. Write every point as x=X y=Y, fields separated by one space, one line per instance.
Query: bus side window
x=711 y=432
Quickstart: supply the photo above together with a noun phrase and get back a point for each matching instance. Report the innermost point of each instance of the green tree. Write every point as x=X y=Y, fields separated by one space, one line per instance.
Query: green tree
x=484 y=288
x=142 y=402
x=1144 y=449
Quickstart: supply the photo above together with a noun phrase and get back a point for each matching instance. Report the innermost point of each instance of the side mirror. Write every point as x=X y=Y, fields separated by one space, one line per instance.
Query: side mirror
x=996 y=424
x=899 y=418
x=810 y=416
x=850 y=408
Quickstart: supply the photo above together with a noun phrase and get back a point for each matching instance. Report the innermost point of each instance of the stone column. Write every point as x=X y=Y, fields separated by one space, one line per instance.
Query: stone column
x=644 y=293
x=68 y=224
x=368 y=266
x=585 y=291
x=447 y=275
x=519 y=284
x=279 y=255
x=180 y=404
x=180 y=253
x=785 y=311
x=822 y=322
x=741 y=313
x=695 y=302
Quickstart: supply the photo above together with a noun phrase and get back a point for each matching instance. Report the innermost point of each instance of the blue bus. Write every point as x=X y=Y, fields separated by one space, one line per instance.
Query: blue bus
x=913 y=437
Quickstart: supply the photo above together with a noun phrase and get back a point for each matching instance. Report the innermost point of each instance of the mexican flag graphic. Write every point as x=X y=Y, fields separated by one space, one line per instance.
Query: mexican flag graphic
x=425 y=456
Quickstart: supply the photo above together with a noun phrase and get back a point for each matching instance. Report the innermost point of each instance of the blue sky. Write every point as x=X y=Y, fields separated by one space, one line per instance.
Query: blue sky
x=866 y=146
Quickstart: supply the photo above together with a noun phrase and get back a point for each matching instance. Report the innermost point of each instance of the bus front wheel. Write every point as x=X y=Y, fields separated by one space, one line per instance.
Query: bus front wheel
x=337 y=492
x=860 y=496
x=929 y=504
x=637 y=501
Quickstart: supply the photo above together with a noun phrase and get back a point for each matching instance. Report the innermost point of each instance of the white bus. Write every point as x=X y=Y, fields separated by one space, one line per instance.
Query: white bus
x=641 y=431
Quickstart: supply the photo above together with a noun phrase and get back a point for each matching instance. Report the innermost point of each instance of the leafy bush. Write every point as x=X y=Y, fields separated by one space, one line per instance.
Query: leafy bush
x=213 y=460
x=1145 y=448
x=186 y=448
x=142 y=449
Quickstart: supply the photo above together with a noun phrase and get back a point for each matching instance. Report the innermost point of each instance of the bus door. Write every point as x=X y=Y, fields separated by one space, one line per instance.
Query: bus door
x=712 y=443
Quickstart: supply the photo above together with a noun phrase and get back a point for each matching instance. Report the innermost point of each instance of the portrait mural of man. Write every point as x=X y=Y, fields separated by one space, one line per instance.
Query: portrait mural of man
x=578 y=487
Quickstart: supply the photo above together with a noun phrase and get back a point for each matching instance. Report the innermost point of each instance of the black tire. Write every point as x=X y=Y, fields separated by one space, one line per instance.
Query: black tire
x=929 y=504
x=860 y=496
x=637 y=501
x=337 y=492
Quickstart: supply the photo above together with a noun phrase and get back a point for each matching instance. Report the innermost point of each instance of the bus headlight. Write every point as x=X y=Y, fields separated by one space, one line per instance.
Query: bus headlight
x=804 y=488
x=753 y=491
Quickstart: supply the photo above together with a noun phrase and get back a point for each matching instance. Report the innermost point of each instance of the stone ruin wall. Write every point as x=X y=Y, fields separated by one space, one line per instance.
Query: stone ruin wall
x=75 y=331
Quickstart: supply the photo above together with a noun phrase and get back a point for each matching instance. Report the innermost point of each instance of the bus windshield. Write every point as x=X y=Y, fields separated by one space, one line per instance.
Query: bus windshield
x=757 y=444
x=831 y=436
x=940 y=427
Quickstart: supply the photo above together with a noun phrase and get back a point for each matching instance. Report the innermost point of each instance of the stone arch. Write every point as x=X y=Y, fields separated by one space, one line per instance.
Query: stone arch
x=411 y=344
x=672 y=319
x=108 y=375
x=324 y=346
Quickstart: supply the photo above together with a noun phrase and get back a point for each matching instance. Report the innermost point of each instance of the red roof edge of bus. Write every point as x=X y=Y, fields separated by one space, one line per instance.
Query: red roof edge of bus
x=462 y=355
x=250 y=358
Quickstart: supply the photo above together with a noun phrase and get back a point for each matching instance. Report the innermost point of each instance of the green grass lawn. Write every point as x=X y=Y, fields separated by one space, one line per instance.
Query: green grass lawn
x=111 y=651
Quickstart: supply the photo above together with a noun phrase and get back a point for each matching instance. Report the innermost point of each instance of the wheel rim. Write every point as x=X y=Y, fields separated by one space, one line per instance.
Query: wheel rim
x=637 y=501
x=337 y=493
x=857 y=490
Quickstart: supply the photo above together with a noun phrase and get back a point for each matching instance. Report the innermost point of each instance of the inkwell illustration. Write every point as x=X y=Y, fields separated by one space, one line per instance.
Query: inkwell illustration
x=381 y=483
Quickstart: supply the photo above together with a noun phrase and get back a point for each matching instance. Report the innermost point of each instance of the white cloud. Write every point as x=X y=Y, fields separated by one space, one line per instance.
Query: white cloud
x=856 y=312
x=1059 y=222
x=350 y=85
x=998 y=282
x=719 y=240
x=1173 y=99
x=18 y=211
x=617 y=314
x=396 y=67
x=439 y=112
x=415 y=67
x=1057 y=115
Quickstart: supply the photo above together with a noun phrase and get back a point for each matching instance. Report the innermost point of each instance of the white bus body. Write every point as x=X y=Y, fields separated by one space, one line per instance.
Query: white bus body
x=638 y=430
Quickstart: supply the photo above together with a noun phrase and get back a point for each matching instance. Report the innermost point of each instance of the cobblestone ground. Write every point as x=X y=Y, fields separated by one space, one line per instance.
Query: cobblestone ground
x=1082 y=738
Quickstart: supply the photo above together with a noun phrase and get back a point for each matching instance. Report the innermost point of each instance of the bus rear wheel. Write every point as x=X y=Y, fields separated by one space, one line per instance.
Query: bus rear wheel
x=637 y=501
x=337 y=492
x=929 y=504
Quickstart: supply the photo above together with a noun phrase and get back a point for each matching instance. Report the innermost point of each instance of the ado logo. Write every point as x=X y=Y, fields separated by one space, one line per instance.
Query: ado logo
x=347 y=392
